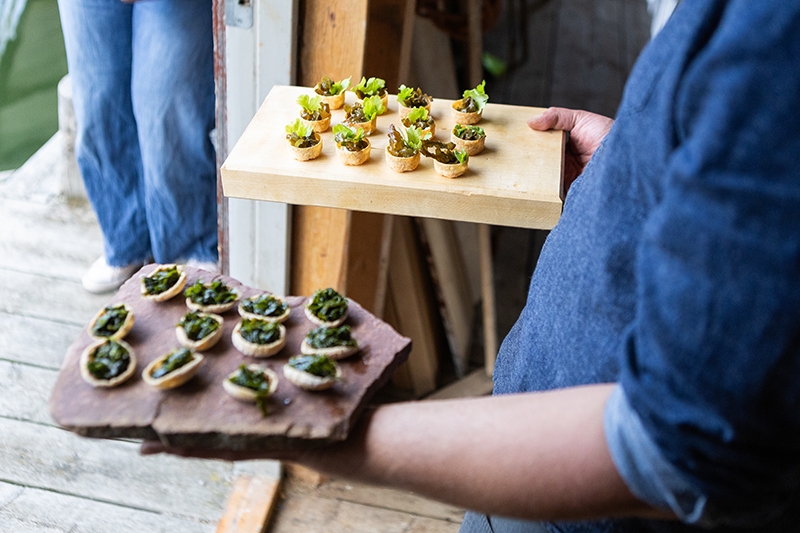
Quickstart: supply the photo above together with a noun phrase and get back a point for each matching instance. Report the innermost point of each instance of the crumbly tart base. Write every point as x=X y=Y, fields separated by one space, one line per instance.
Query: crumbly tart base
x=306 y=154
x=466 y=119
x=334 y=102
x=401 y=164
x=216 y=308
x=106 y=383
x=317 y=321
x=354 y=158
x=205 y=343
x=335 y=352
x=176 y=378
x=471 y=147
x=258 y=350
x=319 y=126
x=368 y=127
x=172 y=291
x=450 y=171
x=280 y=318
x=249 y=395
x=307 y=381
x=121 y=332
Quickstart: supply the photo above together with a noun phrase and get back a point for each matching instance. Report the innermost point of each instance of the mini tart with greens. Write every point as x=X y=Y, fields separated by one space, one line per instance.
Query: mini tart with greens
x=112 y=322
x=199 y=331
x=107 y=363
x=364 y=114
x=216 y=297
x=471 y=139
x=332 y=92
x=265 y=307
x=258 y=338
x=469 y=109
x=373 y=87
x=352 y=147
x=304 y=143
x=252 y=383
x=164 y=282
x=336 y=342
x=402 y=150
x=172 y=369
x=327 y=308
x=421 y=119
x=314 y=112
x=410 y=98
x=447 y=160
x=312 y=372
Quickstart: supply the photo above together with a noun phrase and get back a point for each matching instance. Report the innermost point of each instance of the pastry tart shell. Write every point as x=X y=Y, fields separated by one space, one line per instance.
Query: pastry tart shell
x=354 y=158
x=106 y=383
x=214 y=308
x=307 y=381
x=334 y=102
x=177 y=377
x=403 y=111
x=402 y=164
x=172 y=291
x=368 y=127
x=280 y=318
x=306 y=154
x=318 y=126
x=121 y=332
x=207 y=342
x=384 y=101
x=466 y=119
x=245 y=394
x=471 y=147
x=316 y=320
x=450 y=171
x=258 y=350
x=334 y=352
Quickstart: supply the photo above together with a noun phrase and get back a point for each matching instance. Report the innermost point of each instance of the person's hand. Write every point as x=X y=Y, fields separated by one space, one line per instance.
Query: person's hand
x=586 y=131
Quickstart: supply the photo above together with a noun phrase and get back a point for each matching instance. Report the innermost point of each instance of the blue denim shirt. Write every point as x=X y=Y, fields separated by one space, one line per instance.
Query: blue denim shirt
x=675 y=272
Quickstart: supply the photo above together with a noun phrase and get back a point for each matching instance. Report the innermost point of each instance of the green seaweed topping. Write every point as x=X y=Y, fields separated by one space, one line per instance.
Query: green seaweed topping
x=474 y=100
x=301 y=135
x=445 y=153
x=469 y=133
x=177 y=358
x=405 y=143
x=259 y=331
x=315 y=364
x=364 y=111
x=410 y=97
x=214 y=294
x=328 y=305
x=370 y=87
x=328 y=87
x=110 y=321
x=265 y=305
x=109 y=360
x=327 y=337
x=198 y=326
x=255 y=380
x=313 y=108
x=161 y=280
x=348 y=138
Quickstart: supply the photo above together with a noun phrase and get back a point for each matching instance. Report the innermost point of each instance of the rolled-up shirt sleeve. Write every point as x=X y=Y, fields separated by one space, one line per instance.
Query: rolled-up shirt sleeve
x=706 y=419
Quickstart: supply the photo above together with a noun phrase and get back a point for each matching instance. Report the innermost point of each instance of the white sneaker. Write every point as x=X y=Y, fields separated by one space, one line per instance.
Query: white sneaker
x=102 y=277
x=208 y=266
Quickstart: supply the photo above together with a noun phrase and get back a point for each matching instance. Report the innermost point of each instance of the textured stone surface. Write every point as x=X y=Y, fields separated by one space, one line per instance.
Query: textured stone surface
x=201 y=413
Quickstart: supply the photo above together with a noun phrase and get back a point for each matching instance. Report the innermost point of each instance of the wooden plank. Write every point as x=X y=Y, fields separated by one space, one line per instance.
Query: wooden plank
x=319 y=249
x=452 y=287
x=387 y=49
x=53 y=339
x=111 y=471
x=48 y=298
x=490 y=343
x=500 y=187
x=30 y=510
x=201 y=413
x=413 y=309
x=365 y=276
x=250 y=505
x=477 y=383
x=25 y=390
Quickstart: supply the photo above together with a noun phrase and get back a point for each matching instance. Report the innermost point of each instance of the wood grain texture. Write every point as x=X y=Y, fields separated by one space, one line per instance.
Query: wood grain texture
x=250 y=505
x=514 y=182
x=319 y=249
x=201 y=413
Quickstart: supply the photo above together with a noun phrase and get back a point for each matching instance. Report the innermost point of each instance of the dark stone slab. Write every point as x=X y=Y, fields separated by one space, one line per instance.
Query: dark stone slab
x=201 y=413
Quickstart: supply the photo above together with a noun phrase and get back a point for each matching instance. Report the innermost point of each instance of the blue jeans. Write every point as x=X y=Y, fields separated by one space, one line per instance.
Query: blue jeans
x=143 y=89
x=481 y=523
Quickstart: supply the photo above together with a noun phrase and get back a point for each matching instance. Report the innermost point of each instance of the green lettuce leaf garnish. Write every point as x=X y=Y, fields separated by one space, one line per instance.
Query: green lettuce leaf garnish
x=373 y=106
x=328 y=87
x=300 y=134
x=417 y=114
x=370 y=87
x=461 y=155
x=478 y=96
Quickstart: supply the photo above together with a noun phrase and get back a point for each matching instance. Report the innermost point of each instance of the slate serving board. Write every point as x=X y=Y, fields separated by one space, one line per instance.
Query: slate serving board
x=201 y=413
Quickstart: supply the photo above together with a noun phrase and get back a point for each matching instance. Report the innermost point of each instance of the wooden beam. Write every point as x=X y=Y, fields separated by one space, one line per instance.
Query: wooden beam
x=250 y=505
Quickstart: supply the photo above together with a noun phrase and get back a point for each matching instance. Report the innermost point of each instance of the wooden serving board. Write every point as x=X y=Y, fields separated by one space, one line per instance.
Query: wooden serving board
x=201 y=413
x=515 y=181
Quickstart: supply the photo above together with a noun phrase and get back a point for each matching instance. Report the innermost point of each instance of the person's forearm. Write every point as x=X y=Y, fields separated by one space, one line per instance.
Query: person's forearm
x=537 y=456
